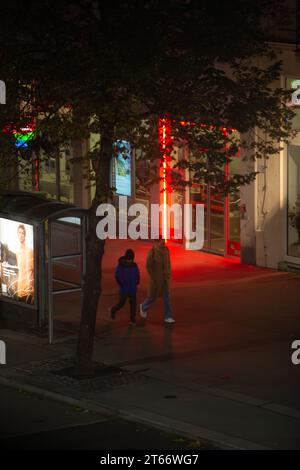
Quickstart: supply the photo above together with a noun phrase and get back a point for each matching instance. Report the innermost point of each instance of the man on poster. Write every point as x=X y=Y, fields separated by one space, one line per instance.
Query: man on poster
x=25 y=284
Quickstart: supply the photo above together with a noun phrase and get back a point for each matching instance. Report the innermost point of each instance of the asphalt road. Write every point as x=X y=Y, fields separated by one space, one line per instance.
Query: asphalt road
x=34 y=423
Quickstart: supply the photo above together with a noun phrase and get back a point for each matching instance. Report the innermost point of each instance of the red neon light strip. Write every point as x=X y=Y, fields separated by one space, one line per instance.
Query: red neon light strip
x=164 y=135
x=164 y=187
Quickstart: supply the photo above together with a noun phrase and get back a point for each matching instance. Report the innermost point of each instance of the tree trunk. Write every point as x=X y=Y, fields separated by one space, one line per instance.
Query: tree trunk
x=91 y=293
x=94 y=255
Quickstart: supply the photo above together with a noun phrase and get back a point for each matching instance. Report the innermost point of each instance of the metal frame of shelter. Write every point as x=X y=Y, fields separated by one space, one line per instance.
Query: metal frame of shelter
x=41 y=213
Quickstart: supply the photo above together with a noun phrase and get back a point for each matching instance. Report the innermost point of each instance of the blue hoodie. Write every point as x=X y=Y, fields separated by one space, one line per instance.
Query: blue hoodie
x=127 y=276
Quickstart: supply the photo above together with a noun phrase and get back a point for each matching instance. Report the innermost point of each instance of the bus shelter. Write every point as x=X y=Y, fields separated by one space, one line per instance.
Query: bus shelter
x=39 y=240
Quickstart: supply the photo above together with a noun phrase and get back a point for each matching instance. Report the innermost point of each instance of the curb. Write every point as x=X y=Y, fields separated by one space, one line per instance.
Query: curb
x=220 y=440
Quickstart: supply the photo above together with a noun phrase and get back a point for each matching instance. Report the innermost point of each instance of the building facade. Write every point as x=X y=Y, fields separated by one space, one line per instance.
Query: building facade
x=270 y=219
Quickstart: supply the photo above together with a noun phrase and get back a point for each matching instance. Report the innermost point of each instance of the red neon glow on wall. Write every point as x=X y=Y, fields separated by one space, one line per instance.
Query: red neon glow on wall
x=164 y=126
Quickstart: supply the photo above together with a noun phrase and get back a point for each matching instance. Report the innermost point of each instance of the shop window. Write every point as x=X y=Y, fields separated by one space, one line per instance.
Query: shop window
x=66 y=187
x=293 y=226
x=142 y=175
x=47 y=176
x=56 y=176
x=25 y=175
x=294 y=84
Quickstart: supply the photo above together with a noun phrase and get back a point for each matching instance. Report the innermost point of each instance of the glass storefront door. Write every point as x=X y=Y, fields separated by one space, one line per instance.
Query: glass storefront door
x=214 y=216
x=221 y=215
x=199 y=195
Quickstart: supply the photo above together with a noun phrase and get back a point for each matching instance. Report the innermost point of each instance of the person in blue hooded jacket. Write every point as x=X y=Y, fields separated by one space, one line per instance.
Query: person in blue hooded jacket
x=128 y=277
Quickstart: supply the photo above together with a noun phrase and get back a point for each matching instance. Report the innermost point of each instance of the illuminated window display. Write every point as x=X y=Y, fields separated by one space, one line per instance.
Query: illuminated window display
x=17 y=260
x=122 y=168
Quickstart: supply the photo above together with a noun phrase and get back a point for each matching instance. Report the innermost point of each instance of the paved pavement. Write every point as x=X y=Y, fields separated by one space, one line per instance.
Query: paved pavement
x=222 y=372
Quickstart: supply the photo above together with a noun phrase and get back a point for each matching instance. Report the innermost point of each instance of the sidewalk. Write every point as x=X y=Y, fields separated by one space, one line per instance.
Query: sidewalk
x=222 y=372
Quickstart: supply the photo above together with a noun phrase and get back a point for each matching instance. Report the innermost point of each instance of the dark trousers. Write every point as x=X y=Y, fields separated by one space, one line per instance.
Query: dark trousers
x=121 y=303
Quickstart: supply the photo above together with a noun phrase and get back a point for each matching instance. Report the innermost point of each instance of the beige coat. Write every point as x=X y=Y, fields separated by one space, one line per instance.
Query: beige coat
x=159 y=268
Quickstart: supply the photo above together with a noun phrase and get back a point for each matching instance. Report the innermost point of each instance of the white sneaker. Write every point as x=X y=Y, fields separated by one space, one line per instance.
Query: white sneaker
x=169 y=320
x=142 y=312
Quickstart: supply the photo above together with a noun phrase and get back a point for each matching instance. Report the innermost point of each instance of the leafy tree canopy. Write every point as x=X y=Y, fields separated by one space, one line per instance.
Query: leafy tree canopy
x=115 y=67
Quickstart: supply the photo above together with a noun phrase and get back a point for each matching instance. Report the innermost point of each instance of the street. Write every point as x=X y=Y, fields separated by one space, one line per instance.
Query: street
x=34 y=423
x=223 y=371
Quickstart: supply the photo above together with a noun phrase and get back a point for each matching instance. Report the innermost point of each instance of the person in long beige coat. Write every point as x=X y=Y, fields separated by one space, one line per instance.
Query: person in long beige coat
x=159 y=269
